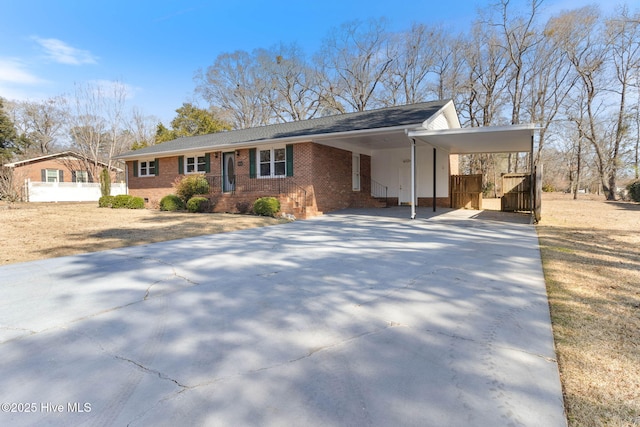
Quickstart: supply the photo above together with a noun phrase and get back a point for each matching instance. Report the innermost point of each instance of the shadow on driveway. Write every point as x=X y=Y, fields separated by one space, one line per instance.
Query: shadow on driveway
x=345 y=319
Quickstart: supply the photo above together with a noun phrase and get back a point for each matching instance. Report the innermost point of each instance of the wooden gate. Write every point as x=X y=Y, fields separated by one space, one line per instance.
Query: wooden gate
x=466 y=191
x=516 y=190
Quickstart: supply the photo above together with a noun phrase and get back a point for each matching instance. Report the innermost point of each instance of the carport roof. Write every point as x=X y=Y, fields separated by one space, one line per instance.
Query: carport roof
x=491 y=139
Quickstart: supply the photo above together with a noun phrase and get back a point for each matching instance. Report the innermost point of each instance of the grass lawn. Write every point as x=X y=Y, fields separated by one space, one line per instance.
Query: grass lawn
x=591 y=259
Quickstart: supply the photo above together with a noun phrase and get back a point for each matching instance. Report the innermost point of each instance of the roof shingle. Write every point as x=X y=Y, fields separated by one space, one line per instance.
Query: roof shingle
x=403 y=115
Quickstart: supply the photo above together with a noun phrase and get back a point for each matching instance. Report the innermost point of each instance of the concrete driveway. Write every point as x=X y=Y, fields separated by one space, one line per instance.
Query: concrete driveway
x=349 y=319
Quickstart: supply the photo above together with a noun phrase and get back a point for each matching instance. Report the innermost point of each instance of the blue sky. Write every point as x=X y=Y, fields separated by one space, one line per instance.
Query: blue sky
x=155 y=47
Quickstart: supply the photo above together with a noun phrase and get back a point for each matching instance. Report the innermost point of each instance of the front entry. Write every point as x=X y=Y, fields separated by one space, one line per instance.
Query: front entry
x=228 y=172
x=404 y=195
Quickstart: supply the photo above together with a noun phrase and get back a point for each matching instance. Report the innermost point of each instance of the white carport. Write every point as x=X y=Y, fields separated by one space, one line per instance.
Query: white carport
x=493 y=139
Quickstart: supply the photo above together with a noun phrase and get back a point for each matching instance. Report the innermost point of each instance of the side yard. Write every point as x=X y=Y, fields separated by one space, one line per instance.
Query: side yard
x=591 y=258
x=32 y=231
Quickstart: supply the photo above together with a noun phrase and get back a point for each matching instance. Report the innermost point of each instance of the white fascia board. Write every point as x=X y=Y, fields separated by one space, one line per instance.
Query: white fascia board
x=446 y=138
x=450 y=114
x=273 y=141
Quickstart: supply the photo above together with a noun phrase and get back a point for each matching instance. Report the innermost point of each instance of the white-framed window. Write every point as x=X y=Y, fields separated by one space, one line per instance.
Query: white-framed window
x=52 y=175
x=147 y=168
x=195 y=164
x=272 y=162
x=81 y=176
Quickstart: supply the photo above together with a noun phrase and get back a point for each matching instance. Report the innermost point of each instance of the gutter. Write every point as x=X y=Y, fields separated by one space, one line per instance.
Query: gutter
x=271 y=141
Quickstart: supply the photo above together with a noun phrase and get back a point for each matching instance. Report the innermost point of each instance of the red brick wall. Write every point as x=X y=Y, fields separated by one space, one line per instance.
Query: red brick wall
x=332 y=177
x=33 y=170
x=325 y=173
x=154 y=188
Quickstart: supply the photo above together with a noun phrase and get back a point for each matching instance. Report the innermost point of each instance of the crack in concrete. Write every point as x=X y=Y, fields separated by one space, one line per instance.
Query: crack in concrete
x=480 y=342
x=160 y=375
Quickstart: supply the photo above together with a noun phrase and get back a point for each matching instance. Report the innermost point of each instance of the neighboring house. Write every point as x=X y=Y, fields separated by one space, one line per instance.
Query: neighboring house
x=62 y=177
x=391 y=156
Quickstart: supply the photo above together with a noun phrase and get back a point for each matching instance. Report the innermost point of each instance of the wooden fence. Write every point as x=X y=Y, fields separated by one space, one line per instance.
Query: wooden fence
x=516 y=190
x=466 y=191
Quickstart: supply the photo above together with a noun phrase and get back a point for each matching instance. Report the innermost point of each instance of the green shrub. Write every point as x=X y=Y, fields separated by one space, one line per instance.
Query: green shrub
x=120 y=201
x=105 y=202
x=634 y=191
x=125 y=201
x=135 y=203
x=171 y=203
x=198 y=204
x=105 y=182
x=191 y=185
x=266 y=206
x=548 y=188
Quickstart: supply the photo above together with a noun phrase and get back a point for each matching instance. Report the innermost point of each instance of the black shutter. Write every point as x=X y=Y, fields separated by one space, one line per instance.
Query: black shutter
x=156 y=162
x=289 y=159
x=181 y=165
x=207 y=163
x=73 y=176
x=43 y=175
x=135 y=168
x=60 y=176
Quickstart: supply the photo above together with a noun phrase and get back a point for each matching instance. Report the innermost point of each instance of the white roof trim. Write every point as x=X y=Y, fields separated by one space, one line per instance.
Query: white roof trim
x=489 y=139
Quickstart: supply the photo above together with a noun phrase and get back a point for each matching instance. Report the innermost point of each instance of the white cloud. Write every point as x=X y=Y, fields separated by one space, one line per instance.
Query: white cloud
x=61 y=52
x=14 y=71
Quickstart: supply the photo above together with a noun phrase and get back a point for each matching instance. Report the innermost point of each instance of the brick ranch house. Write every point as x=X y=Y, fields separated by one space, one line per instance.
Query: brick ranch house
x=401 y=155
x=65 y=176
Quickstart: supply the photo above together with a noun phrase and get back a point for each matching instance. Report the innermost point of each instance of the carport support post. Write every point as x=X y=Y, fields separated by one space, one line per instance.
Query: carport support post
x=434 y=179
x=413 y=178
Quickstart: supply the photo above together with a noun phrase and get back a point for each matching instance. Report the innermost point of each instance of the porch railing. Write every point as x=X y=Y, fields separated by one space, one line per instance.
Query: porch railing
x=242 y=184
x=379 y=191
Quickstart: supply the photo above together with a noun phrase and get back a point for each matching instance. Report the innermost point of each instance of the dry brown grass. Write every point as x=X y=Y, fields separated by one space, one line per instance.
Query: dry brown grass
x=591 y=257
x=32 y=231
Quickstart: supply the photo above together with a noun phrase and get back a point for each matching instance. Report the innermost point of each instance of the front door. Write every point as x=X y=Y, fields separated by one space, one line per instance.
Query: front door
x=404 y=196
x=228 y=172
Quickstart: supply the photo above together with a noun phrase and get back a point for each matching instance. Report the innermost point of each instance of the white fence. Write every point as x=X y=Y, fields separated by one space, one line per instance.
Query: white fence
x=67 y=191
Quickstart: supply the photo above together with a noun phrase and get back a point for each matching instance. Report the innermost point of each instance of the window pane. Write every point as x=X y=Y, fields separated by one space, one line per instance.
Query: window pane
x=152 y=168
x=279 y=154
x=265 y=169
x=52 y=175
x=201 y=164
x=82 y=176
x=279 y=168
x=265 y=156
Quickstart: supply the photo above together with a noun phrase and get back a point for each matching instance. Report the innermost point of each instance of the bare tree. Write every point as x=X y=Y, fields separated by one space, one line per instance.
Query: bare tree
x=552 y=80
x=142 y=129
x=98 y=123
x=44 y=122
x=576 y=32
x=353 y=61
x=292 y=92
x=519 y=37
x=406 y=79
x=623 y=41
x=448 y=64
x=233 y=83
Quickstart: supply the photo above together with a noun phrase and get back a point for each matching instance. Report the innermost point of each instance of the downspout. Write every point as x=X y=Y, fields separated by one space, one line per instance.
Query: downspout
x=413 y=178
x=434 y=179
